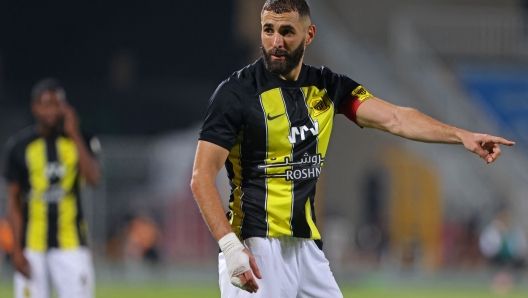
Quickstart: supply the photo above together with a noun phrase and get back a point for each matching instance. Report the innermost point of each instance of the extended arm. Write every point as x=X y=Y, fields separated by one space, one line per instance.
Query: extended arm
x=208 y=161
x=411 y=124
x=14 y=209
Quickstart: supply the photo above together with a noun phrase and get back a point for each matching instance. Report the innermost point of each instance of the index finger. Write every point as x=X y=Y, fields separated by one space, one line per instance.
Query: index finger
x=251 y=283
x=502 y=141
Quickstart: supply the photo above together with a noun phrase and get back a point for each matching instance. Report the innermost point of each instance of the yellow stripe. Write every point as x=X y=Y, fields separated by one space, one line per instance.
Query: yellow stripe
x=320 y=109
x=67 y=228
x=278 y=191
x=309 y=220
x=324 y=116
x=37 y=226
x=68 y=157
x=236 y=204
x=67 y=210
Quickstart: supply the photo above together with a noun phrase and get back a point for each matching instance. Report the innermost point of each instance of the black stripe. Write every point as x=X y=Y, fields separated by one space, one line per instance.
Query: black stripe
x=51 y=149
x=319 y=244
x=253 y=185
x=79 y=218
x=302 y=189
x=53 y=210
x=312 y=205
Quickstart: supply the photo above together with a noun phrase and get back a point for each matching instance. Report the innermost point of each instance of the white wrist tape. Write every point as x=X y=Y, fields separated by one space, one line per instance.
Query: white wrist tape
x=237 y=261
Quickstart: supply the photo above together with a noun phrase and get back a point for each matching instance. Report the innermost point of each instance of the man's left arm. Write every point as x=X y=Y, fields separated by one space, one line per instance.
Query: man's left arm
x=414 y=125
x=88 y=165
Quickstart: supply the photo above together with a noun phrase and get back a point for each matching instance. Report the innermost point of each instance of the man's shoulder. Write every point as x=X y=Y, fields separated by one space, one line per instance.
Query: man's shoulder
x=87 y=135
x=22 y=137
x=245 y=79
x=319 y=71
x=331 y=80
x=250 y=72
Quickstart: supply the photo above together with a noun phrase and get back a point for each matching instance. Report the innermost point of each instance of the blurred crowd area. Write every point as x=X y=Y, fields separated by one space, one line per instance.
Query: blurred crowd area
x=141 y=77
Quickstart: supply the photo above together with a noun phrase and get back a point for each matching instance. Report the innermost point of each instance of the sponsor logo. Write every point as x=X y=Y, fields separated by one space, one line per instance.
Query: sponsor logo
x=308 y=167
x=54 y=194
x=274 y=117
x=303 y=174
x=55 y=171
x=361 y=93
x=301 y=131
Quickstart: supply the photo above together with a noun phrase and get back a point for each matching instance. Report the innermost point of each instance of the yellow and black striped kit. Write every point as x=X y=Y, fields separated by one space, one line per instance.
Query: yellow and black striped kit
x=47 y=170
x=277 y=133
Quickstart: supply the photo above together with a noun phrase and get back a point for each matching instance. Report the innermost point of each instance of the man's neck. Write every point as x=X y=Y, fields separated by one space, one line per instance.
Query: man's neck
x=46 y=132
x=294 y=74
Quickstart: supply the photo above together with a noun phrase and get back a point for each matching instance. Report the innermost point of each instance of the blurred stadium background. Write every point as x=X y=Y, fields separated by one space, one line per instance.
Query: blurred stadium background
x=399 y=219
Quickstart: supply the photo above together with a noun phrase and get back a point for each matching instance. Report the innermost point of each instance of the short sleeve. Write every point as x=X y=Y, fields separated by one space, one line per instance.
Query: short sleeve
x=224 y=116
x=13 y=170
x=339 y=87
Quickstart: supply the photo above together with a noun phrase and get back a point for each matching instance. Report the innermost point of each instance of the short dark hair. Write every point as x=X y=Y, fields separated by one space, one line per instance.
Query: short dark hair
x=47 y=84
x=283 y=6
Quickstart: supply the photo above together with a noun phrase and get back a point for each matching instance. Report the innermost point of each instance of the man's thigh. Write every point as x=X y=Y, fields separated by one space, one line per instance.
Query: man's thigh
x=317 y=278
x=38 y=285
x=227 y=290
x=72 y=272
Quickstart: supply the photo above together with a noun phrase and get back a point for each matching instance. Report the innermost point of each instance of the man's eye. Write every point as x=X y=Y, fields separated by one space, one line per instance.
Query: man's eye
x=269 y=31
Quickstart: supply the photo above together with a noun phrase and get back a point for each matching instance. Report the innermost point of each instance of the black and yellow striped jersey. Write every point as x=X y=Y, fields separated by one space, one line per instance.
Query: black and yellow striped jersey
x=277 y=134
x=47 y=171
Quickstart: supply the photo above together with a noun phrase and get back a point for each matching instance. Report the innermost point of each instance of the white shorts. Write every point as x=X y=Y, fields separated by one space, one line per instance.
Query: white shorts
x=70 y=271
x=290 y=268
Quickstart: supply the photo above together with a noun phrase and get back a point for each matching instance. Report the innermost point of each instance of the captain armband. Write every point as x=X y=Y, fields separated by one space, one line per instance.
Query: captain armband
x=351 y=105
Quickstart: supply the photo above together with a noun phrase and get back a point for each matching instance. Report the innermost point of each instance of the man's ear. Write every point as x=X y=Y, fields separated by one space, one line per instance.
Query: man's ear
x=310 y=34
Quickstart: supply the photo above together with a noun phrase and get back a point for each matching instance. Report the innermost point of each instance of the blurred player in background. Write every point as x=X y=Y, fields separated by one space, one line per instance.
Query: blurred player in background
x=270 y=124
x=45 y=167
x=503 y=243
x=143 y=237
x=7 y=241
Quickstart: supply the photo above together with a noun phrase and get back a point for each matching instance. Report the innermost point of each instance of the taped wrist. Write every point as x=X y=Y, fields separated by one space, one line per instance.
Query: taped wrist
x=230 y=243
x=237 y=261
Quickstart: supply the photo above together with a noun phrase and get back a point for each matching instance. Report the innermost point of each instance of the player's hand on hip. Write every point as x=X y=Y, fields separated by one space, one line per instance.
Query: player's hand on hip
x=246 y=280
x=21 y=264
x=239 y=263
x=485 y=146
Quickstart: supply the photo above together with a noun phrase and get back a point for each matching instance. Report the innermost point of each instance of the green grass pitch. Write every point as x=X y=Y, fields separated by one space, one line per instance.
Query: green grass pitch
x=195 y=291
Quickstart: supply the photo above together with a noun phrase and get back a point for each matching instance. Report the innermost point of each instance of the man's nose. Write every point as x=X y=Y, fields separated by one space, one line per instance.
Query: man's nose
x=278 y=41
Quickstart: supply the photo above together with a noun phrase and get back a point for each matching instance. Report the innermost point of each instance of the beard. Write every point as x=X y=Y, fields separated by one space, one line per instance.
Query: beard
x=282 y=67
